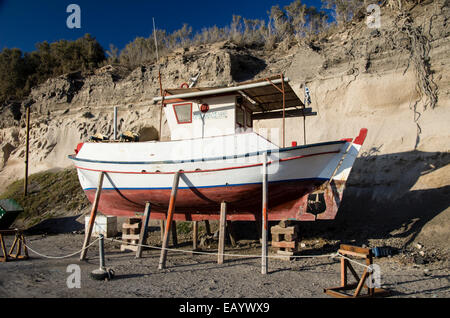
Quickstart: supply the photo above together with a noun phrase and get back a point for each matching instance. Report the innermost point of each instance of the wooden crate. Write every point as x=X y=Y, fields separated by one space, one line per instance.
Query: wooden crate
x=130 y=234
x=285 y=241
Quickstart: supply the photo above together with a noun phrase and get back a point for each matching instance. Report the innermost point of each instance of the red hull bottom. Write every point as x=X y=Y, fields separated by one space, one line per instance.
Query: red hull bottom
x=287 y=200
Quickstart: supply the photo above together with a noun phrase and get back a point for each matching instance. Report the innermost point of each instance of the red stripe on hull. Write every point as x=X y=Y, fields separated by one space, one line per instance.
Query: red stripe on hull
x=244 y=202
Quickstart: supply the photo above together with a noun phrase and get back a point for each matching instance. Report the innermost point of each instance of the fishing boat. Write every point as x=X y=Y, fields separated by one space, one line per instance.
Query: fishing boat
x=219 y=157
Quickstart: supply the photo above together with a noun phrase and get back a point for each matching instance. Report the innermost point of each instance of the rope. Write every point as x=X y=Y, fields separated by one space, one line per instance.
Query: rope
x=369 y=267
x=333 y=255
x=228 y=255
x=61 y=257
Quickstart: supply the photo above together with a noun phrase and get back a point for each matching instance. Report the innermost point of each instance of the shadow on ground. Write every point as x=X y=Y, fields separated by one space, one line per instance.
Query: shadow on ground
x=57 y=226
x=379 y=202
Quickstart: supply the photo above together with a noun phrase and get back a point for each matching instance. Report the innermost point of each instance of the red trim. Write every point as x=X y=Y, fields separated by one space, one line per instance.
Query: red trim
x=211 y=170
x=79 y=146
x=347 y=139
x=185 y=85
x=178 y=121
x=362 y=137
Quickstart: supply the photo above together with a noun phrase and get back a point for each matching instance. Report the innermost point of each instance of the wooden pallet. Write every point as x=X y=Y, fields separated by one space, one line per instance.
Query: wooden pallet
x=285 y=241
x=130 y=234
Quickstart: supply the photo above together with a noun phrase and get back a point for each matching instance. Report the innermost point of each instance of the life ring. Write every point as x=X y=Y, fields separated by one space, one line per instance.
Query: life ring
x=204 y=108
x=185 y=85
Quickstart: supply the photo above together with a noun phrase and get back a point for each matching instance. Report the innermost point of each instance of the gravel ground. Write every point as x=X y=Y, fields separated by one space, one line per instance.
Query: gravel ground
x=199 y=276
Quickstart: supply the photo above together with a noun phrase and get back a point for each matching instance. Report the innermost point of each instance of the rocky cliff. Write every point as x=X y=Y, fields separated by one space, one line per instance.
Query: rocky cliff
x=393 y=80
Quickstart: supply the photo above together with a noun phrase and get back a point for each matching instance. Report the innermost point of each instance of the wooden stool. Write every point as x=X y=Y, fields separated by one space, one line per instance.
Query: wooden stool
x=19 y=242
x=359 y=252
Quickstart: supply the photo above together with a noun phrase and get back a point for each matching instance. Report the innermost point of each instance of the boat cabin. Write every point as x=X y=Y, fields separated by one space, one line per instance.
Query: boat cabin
x=209 y=112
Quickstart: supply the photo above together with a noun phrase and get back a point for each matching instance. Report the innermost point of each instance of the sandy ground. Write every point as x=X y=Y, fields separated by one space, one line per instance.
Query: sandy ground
x=199 y=276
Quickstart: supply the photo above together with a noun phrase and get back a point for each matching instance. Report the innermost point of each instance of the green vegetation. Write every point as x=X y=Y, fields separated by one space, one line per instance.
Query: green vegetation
x=19 y=72
x=294 y=21
x=49 y=193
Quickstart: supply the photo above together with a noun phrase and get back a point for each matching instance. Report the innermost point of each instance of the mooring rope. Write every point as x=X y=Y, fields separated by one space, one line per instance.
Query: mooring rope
x=228 y=255
x=369 y=268
x=61 y=257
x=332 y=255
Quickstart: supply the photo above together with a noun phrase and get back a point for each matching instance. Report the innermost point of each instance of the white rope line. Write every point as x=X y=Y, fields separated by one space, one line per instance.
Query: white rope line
x=228 y=255
x=62 y=257
x=332 y=255
x=369 y=268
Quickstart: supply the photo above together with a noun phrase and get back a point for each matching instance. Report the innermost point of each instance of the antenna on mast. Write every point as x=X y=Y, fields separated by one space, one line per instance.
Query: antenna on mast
x=156 y=41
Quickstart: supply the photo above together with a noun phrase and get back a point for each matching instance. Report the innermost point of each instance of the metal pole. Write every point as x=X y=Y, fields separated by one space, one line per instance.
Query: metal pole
x=115 y=123
x=101 y=247
x=219 y=90
x=264 y=264
x=25 y=186
x=284 y=111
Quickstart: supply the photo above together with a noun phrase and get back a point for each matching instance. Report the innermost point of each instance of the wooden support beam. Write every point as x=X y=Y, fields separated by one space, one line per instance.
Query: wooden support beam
x=173 y=196
x=162 y=226
x=223 y=218
x=264 y=263
x=293 y=113
x=208 y=228
x=174 y=234
x=4 y=258
x=88 y=234
x=344 y=272
x=230 y=233
x=195 y=235
x=144 y=229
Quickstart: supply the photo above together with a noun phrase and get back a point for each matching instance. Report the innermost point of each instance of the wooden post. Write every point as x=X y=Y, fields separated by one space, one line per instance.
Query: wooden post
x=174 y=233
x=173 y=196
x=4 y=258
x=87 y=237
x=25 y=186
x=162 y=226
x=208 y=228
x=25 y=249
x=343 y=272
x=223 y=218
x=194 y=235
x=230 y=233
x=144 y=229
x=264 y=263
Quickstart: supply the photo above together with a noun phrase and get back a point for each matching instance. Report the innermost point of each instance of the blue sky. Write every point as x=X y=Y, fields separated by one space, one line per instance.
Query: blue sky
x=24 y=23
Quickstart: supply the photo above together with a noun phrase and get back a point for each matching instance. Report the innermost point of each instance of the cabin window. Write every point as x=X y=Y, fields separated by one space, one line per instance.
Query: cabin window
x=183 y=113
x=240 y=117
x=248 y=119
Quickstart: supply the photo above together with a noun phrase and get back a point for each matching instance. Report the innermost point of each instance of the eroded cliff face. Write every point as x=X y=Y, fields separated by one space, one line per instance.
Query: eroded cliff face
x=393 y=80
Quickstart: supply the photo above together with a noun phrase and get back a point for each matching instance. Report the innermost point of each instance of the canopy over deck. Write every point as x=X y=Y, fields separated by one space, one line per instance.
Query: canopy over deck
x=263 y=95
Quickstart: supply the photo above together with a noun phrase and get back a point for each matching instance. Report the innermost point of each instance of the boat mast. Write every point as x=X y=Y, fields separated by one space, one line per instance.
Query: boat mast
x=160 y=82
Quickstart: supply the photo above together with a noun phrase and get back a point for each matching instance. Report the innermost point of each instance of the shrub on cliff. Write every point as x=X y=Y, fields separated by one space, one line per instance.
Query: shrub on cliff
x=19 y=72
